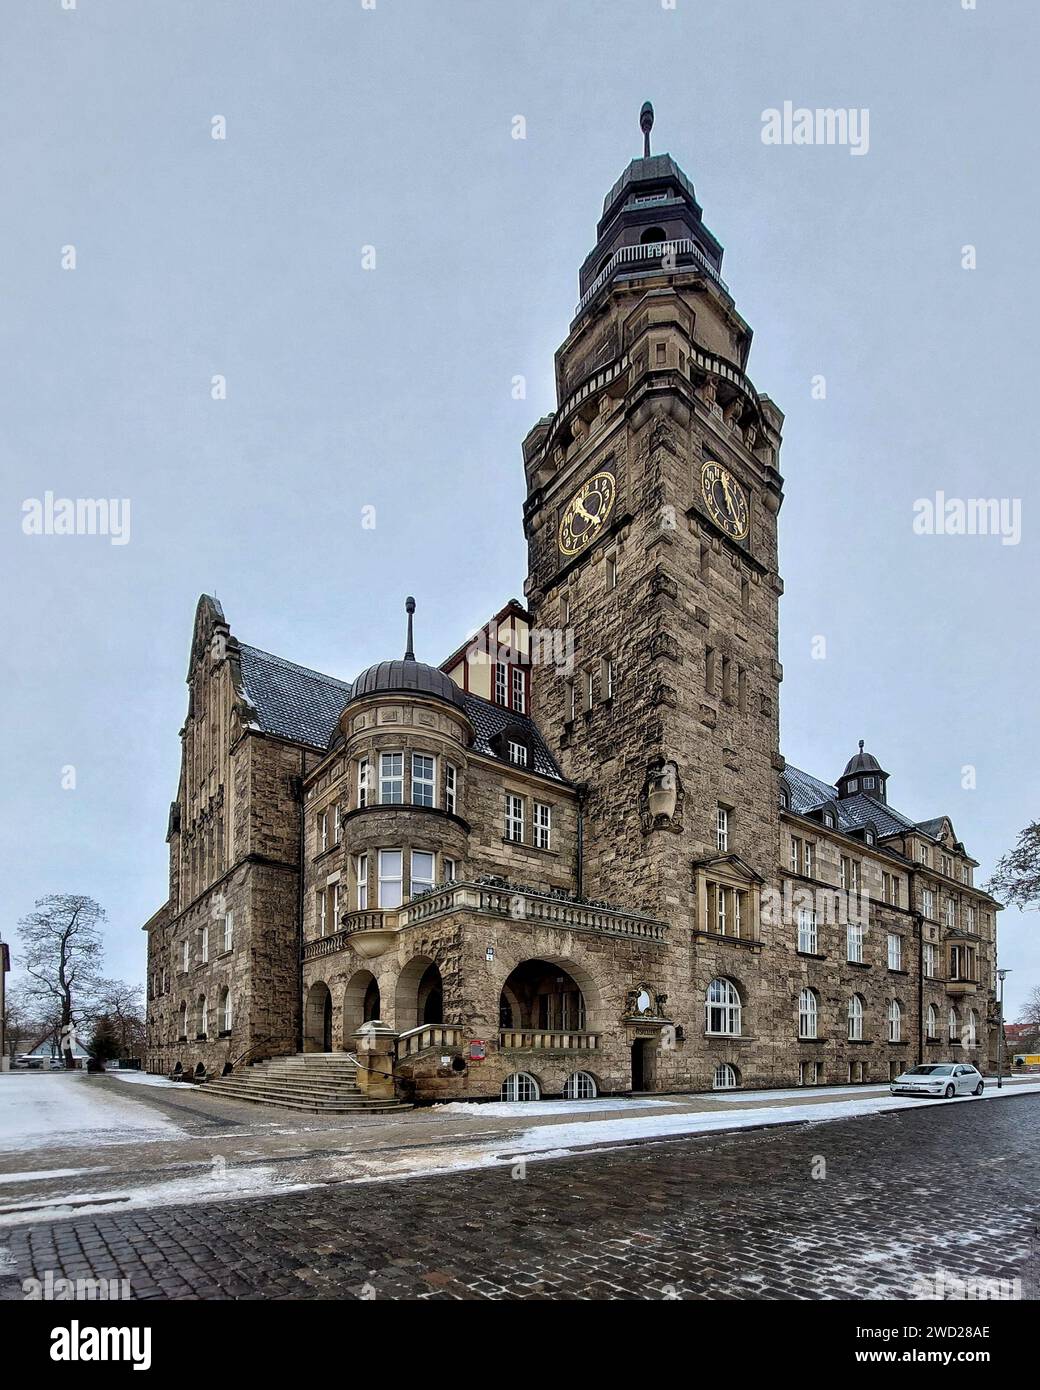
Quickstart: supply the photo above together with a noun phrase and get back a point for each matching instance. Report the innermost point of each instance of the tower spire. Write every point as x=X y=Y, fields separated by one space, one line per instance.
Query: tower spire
x=646 y=122
x=409 y=608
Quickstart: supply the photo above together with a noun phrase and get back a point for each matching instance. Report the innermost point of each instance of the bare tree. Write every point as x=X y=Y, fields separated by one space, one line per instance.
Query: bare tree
x=20 y=1023
x=123 y=1005
x=62 y=958
x=1016 y=879
x=1030 y=1012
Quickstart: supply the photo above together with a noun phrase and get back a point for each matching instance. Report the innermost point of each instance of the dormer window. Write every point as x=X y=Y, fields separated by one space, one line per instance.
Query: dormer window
x=517 y=753
x=869 y=784
x=828 y=820
x=853 y=785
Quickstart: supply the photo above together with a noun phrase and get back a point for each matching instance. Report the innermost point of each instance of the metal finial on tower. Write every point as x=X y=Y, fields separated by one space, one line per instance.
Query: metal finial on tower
x=646 y=122
x=409 y=608
x=861 y=745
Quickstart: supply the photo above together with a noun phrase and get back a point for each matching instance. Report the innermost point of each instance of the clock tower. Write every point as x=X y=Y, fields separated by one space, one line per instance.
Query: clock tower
x=651 y=516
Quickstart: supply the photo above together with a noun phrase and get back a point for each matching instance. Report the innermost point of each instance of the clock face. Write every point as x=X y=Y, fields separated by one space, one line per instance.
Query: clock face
x=586 y=513
x=726 y=500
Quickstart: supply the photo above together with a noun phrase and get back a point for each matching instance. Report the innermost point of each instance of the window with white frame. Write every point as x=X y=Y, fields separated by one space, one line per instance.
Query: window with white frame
x=423 y=871
x=928 y=902
x=930 y=960
x=970 y=917
x=722 y=1008
x=606 y=678
x=362 y=782
x=579 y=1086
x=951 y=913
x=895 y=1022
x=391 y=779
x=542 y=825
x=868 y=784
x=514 y=818
x=335 y=906
x=323 y=911
x=853 y=784
x=722 y=829
x=323 y=831
x=423 y=779
x=895 y=951
x=449 y=869
x=796 y=855
x=807 y=858
x=202 y=1017
x=725 y=1078
x=611 y=571
x=808 y=1013
x=451 y=785
x=808 y=1073
x=951 y=1025
x=855 y=1018
x=391 y=886
x=229 y=930
x=854 y=942
x=519 y=690
x=965 y=875
x=932 y=1023
x=204 y=944
x=501 y=683
x=588 y=691
x=972 y=1032
x=185 y=954
x=362 y=882
x=521 y=1085
x=922 y=854
x=224 y=1011
x=807 y=935
x=517 y=753
x=572 y=700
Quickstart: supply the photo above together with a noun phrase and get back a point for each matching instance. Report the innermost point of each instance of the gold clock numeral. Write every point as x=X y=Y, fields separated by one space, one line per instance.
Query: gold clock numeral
x=725 y=499
x=586 y=513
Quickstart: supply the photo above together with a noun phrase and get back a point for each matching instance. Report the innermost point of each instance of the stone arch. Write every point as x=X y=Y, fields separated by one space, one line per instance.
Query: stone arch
x=317 y=1018
x=419 y=994
x=361 y=1004
x=544 y=994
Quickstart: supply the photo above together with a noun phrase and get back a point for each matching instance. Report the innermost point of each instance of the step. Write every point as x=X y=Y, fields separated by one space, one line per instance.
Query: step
x=359 y=1105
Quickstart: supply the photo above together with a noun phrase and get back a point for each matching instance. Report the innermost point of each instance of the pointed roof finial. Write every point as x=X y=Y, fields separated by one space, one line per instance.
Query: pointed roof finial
x=861 y=745
x=646 y=122
x=409 y=608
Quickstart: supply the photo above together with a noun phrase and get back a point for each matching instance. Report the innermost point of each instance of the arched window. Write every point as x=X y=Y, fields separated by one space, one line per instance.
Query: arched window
x=951 y=1025
x=972 y=1038
x=725 y=1078
x=895 y=1022
x=224 y=1011
x=855 y=1018
x=579 y=1086
x=933 y=1021
x=202 y=1016
x=722 y=1008
x=652 y=236
x=808 y=1012
x=521 y=1085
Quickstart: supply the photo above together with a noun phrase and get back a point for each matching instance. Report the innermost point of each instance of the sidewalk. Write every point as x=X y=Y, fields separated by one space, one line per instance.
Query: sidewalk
x=67 y=1152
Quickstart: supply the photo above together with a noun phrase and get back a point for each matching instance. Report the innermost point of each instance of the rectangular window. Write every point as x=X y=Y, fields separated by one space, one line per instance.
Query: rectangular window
x=515 y=818
x=854 y=942
x=423 y=784
x=722 y=830
x=185 y=954
x=565 y=610
x=362 y=882
x=807 y=859
x=928 y=903
x=519 y=690
x=572 y=700
x=970 y=923
x=451 y=783
x=895 y=951
x=390 y=878
x=335 y=906
x=501 y=683
x=807 y=936
x=229 y=929
x=323 y=831
x=611 y=571
x=204 y=944
x=606 y=678
x=391 y=779
x=517 y=753
x=423 y=865
x=337 y=825
x=931 y=960
x=449 y=870
x=796 y=855
x=965 y=877
x=922 y=854
x=587 y=694
x=720 y=910
x=886 y=888
x=362 y=782
x=323 y=911
x=951 y=913
x=542 y=825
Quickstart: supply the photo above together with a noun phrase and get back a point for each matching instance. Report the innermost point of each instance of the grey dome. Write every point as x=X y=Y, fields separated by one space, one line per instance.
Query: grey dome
x=406 y=677
x=862 y=762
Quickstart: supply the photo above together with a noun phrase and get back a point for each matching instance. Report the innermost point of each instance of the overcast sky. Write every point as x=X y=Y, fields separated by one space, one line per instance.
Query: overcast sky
x=391 y=127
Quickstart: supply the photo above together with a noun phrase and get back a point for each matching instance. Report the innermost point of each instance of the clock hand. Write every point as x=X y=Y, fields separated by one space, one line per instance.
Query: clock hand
x=580 y=507
x=731 y=505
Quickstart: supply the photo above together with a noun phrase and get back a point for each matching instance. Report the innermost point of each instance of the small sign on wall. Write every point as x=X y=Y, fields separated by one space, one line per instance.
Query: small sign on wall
x=477 y=1050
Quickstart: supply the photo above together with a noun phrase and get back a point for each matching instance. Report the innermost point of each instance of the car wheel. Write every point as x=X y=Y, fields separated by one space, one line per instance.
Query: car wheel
x=950 y=1091
x=979 y=1089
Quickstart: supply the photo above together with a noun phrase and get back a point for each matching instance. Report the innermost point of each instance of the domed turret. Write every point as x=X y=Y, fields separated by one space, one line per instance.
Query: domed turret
x=863 y=776
x=406 y=676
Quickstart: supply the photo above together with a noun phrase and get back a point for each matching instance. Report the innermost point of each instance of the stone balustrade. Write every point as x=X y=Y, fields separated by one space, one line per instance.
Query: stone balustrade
x=417 y=1040
x=546 y=1040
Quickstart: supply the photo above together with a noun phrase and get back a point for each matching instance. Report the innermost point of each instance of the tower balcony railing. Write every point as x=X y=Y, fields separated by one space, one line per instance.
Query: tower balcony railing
x=649 y=251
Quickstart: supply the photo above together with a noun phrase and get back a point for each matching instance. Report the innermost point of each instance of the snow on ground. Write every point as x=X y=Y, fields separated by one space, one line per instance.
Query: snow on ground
x=517 y=1109
x=69 y=1110
x=45 y=1174
x=144 y=1078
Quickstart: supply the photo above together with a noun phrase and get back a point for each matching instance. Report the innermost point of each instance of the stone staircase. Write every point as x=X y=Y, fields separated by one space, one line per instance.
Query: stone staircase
x=321 y=1082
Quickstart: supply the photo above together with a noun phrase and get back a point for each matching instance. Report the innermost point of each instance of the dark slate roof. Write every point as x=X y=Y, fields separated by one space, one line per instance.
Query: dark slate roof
x=854 y=812
x=931 y=827
x=292 y=701
x=489 y=719
x=406 y=675
x=862 y=762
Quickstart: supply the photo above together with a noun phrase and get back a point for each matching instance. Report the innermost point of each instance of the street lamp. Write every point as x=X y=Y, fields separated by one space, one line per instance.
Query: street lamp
x=1001 y=974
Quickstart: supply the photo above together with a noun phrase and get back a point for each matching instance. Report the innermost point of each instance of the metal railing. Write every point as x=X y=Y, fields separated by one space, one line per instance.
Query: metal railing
x=650 y=251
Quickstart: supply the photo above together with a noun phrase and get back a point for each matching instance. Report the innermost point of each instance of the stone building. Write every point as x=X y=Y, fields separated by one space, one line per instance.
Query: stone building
x=571 y=858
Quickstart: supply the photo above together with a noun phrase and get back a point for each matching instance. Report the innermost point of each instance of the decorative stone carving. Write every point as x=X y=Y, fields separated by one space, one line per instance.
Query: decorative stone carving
x=662 y=797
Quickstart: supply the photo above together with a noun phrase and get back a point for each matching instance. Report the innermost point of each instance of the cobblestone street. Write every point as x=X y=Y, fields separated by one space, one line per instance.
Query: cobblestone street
x=904 y=1196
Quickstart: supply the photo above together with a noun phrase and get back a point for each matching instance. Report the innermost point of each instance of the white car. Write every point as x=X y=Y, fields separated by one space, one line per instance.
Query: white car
x=947 y=1079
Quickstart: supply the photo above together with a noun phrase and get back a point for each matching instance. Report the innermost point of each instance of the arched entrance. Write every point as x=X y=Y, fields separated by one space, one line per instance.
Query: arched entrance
x=419 y=997
x=317 y=1019
x=539 y=994
x=360 y=1004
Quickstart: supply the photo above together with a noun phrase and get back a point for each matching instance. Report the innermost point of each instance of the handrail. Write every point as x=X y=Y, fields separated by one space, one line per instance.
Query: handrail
x=681 y=246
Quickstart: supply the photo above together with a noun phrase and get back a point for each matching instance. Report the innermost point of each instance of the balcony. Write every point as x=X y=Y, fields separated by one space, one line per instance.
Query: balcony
x=683 y=248
x=531 y=908
x=369 y=932
x=960 y=987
